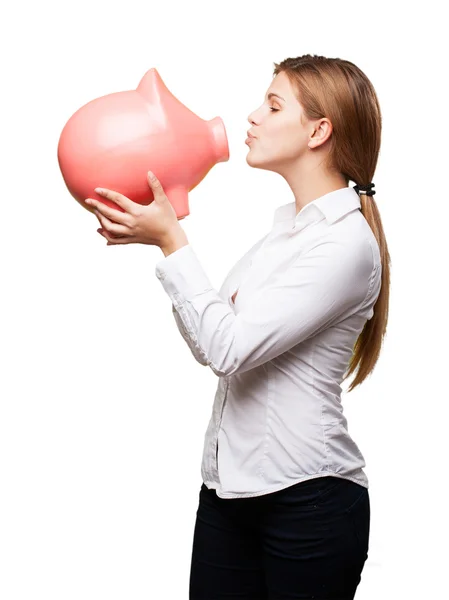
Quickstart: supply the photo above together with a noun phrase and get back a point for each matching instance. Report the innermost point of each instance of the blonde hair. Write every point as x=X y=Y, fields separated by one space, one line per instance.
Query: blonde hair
x=338 y=90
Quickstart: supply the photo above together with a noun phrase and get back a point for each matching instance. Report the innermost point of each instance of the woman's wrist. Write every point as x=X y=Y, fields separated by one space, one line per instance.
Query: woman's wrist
x=176 y=239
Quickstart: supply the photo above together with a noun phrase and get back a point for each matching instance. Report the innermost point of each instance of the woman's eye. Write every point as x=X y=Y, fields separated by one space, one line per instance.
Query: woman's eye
x=275 y=109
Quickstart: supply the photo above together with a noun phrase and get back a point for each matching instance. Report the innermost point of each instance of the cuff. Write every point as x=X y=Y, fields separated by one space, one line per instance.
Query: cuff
x=182 y=275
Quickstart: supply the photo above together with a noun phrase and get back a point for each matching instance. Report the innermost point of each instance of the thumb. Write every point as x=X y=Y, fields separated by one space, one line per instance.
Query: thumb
x=156 y=186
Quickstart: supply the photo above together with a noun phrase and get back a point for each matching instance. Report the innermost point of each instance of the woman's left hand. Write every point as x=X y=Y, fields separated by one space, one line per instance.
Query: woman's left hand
x=152 y=224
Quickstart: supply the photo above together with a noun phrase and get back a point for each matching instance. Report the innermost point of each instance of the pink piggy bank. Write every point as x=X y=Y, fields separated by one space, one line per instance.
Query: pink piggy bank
x=113 y=141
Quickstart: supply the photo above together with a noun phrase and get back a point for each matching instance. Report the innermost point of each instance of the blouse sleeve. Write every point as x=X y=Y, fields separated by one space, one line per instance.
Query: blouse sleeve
x=189 y=339
x=323 y=285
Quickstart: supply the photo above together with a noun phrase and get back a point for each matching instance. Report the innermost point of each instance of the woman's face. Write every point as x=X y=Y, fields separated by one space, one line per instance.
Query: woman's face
x=280 y=136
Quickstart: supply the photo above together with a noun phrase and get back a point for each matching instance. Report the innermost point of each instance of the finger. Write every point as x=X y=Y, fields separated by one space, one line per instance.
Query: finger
x=114 y=228
x=112 y=241
x=115 y=215
x=116 y=197
x=110 y=236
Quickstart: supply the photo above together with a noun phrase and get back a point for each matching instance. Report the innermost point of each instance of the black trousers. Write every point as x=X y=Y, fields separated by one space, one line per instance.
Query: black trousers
x=309 y=540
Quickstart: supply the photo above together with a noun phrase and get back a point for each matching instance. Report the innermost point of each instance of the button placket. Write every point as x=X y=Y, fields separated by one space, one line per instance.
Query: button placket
x=225 y=394
x=246 y=271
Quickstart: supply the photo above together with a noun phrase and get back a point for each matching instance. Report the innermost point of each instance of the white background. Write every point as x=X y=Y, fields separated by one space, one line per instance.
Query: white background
x=103 y=408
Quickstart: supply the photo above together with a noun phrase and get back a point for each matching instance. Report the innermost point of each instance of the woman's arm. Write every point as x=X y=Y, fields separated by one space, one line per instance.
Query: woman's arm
x=325 y=284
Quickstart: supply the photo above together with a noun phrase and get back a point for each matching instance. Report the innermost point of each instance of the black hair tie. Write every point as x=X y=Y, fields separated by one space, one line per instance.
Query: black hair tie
x=365 y=189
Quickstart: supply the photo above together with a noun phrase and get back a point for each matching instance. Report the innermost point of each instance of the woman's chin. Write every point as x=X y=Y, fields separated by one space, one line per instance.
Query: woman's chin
x=250 y=159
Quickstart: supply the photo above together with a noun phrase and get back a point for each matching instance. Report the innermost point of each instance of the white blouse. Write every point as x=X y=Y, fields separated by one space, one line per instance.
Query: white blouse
x=280 y=351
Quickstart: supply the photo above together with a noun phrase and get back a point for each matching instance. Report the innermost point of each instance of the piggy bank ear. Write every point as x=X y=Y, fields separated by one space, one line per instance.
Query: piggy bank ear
x=151 y=86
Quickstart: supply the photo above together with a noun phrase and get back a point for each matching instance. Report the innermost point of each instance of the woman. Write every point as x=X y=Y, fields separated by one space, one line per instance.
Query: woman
x=284 y=509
